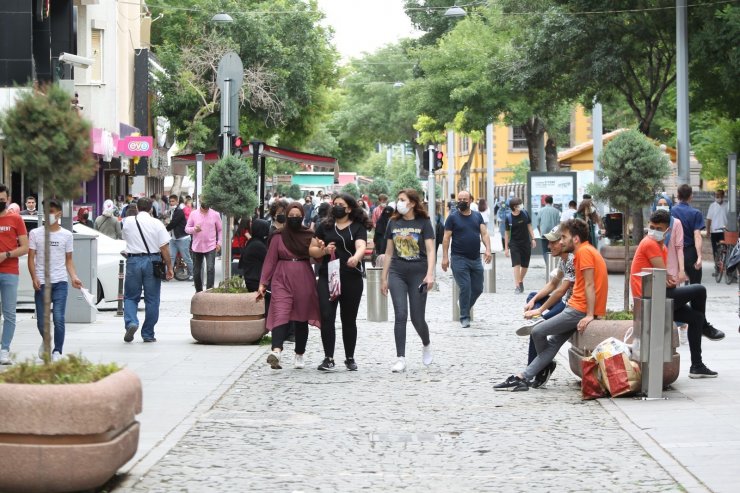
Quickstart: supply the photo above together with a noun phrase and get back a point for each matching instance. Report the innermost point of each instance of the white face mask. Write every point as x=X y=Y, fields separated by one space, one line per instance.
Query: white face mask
x=663 y=208
x=656 y=235
x=52 y=219
x=402 y=207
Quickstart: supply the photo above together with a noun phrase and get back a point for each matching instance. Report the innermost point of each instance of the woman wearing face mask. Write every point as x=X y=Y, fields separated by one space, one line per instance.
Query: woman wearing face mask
x=673 y=240
x=278 y=215
x=294 y=301
x=519 y=241
x=587 y=212
x=345 y=235
x=409 y=271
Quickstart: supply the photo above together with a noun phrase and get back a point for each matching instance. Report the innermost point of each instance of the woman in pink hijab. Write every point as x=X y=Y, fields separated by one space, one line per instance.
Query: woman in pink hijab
x=14 y=208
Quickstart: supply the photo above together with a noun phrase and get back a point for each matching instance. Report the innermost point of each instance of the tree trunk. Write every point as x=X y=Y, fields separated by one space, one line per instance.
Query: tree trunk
x=533 y=130
x=551 y=155
x=176 y=186
x=627 y=263
x=638 y=226
x=464 y=184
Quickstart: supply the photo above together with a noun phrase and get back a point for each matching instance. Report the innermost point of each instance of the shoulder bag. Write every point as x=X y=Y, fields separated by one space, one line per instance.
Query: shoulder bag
x=158 y=267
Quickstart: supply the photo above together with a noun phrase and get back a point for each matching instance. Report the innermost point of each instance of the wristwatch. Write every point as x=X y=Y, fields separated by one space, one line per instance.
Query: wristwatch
x=7 y=254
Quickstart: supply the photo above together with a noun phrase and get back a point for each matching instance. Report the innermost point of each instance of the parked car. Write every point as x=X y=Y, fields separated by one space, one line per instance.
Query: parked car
x=109 y=255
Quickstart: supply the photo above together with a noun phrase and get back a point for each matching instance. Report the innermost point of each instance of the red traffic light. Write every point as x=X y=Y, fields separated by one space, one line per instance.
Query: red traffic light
x=237 y=141
x=440 y=155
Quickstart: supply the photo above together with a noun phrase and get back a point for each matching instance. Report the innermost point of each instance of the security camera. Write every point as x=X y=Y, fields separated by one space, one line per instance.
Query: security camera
x=76 y=60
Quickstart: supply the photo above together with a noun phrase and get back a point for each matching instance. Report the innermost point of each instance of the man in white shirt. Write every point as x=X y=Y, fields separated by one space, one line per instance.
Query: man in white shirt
x=147 y=241
x=717 y=220
x=60 y=264
x=570 y=212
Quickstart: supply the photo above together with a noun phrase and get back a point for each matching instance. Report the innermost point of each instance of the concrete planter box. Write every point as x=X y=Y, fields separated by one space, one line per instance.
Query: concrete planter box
x=74 y=437
x=583 y=343
x=614 y=258
x=224 y=318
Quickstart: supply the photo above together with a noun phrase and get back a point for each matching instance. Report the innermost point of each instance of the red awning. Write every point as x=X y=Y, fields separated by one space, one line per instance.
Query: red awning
x=315 y=160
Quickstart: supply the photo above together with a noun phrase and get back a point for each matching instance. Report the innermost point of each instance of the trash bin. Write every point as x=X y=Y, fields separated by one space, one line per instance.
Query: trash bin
x=455 y=306
x=489 y=275
x=377 y=304
x=85 y=257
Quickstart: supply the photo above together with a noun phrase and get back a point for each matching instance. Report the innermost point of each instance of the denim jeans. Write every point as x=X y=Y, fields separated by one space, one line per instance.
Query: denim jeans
x=8 y=298
x=210 y=258
x=468 y=274
x=551 y=312
x=140 y=274
x=58 y=307
x=182 y=246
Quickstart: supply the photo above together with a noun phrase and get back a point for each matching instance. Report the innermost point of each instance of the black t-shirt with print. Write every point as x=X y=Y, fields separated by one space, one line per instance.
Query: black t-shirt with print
x=344 y=239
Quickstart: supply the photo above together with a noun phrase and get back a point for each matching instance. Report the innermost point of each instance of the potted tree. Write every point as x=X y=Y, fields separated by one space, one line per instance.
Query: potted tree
x=67 y=425
x=229 y=314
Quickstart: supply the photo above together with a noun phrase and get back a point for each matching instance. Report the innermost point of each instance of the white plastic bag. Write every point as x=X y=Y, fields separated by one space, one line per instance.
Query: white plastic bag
x=335 y=284
x=608 y=348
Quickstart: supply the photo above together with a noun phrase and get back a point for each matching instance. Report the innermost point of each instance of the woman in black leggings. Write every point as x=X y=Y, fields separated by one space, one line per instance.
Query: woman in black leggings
x=344 y=232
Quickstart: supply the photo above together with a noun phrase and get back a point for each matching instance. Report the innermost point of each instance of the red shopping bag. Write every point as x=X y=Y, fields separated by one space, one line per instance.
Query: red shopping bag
x=591 y=387
x=619 y=375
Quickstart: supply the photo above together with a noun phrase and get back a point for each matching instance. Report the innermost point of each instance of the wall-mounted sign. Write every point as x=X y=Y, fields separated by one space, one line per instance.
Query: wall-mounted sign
x=136 y=146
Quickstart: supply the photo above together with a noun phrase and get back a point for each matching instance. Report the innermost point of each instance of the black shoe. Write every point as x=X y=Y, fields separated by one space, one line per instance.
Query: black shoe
x=711 y=333
x=151 y=339
x=130 y=331
x=542 y=377
x=518 y=290
x=512 y=384
x=701 y=371
x=327 y=365
x=350 y=364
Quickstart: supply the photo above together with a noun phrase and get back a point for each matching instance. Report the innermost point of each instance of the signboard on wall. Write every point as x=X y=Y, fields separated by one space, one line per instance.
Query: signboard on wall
x=561 y=186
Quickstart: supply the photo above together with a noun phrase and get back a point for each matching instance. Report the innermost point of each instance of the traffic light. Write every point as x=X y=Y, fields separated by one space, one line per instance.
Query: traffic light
x=236 y=145
x=438 y=155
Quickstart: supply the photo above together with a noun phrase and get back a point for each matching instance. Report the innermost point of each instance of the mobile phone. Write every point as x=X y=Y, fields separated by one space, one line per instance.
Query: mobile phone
x=423 y=287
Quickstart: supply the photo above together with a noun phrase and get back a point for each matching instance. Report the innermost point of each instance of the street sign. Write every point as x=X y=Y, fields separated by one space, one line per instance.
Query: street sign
x=231 y=67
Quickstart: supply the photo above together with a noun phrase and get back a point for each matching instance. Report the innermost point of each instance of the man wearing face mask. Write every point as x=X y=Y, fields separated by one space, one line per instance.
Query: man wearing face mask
x=204 y=224
x=689 y=302
x=717 y=221
x=466 y=229
x=61 y=264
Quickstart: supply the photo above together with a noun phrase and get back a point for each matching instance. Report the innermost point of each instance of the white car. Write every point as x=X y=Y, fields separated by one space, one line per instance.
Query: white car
x=109 y=255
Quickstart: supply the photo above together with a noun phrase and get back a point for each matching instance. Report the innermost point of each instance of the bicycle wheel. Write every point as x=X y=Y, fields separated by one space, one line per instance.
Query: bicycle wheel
x=720 y=263
x=181 y=272
x=729 y=278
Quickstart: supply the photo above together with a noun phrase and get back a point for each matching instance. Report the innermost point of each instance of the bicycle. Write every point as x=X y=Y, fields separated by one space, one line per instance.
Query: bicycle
x=182 y=273
x=724 y=252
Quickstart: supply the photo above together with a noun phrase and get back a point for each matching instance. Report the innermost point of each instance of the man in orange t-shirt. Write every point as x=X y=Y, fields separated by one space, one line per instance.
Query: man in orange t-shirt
x=587 y=302
x=689 y=302
x=13 y=244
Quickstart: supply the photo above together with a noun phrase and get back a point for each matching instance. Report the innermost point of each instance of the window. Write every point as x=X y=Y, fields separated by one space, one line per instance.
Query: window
x=465 y=145
x=96 y=52
x=518 y=139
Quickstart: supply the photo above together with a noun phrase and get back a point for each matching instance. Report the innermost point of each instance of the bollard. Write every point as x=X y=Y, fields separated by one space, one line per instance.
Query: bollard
x=553 y=263
x=119 y=311
x=377 y=304
x=455 y=307
x=489 y=275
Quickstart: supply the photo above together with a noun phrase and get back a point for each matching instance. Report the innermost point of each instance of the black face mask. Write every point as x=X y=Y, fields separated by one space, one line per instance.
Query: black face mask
x=463 y=206
x=295 y=223
x=3 y=205
x=338 y=211
x=280 y=218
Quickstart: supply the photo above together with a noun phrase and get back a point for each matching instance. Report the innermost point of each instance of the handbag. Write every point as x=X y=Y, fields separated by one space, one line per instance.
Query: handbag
x=335 y=284
x=158 y=267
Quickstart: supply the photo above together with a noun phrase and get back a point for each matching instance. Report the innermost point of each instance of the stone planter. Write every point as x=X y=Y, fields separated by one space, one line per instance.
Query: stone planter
x=614 y=257
x=67 y=437
x=583 y=343
x=225 y=318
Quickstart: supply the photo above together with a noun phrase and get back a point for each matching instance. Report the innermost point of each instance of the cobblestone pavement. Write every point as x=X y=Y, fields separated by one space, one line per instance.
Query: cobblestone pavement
x=436 y=429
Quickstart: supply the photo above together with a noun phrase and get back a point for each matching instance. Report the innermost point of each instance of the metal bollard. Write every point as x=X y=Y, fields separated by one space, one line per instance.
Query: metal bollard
x=653 y=330
x=489 y=275
x=377 y=304
x=119 y=311
x=455 y=307
x=553 y=263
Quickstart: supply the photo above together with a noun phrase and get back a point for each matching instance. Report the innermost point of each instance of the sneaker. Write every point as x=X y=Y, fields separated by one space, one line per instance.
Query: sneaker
x=400 y=365
x=711 y=333
x=299 y=363
x=701 y=371
x=130 y=331
x=465 y=323
x=5 y=357
x=426 y=354
x=273 y=359
x=327 y=365
x=542 y=377
x=521 y=287
x=350 y=364
x=526 y=328
x=513 y=384
x=150 y=339
x=56 y=356
x=518 y=290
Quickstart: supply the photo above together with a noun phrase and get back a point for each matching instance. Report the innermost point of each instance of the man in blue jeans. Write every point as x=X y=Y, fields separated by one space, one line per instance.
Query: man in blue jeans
x=147 y=241
x=466 y=229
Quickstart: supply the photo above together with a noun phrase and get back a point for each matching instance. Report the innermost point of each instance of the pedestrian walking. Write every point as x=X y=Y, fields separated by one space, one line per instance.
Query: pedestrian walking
x=381 y=226
x=570 y=212
x=277 y=213
x=83 y=217
x=485 y=211
x=587 y=212
x=717 y=223
x=253 y=256
x=147 y=244
x=587 y=302
x=287 y=270
x=107 y=223
x=179 y=239
x=465 y=231
x=13 y=244
x=379 y=207
x=693 y=222
x=501 y=213
x=519 y=241
x=408 y=272
x=345 y=235
x=547 y=219
x=204 y=225
x=60 y=267
x=307 y=211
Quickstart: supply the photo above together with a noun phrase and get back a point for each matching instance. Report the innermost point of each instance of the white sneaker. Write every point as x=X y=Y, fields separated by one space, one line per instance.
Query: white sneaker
x=426 y=354
x=400 y=365
x=5 y=357
x=273 y=359
x=526 y=328
x=56 y=356
x=299 y=363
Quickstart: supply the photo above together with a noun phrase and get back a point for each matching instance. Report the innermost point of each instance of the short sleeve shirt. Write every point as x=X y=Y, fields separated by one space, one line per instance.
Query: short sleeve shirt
x=718 y=215
x=647 y=250
x=519 y=230
x=691 y=219
x=344 y=239
x=60 y=244
x=465 y=233
x=11 y=227
x=569 y=274
x=408 y=238
x=587 y=257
